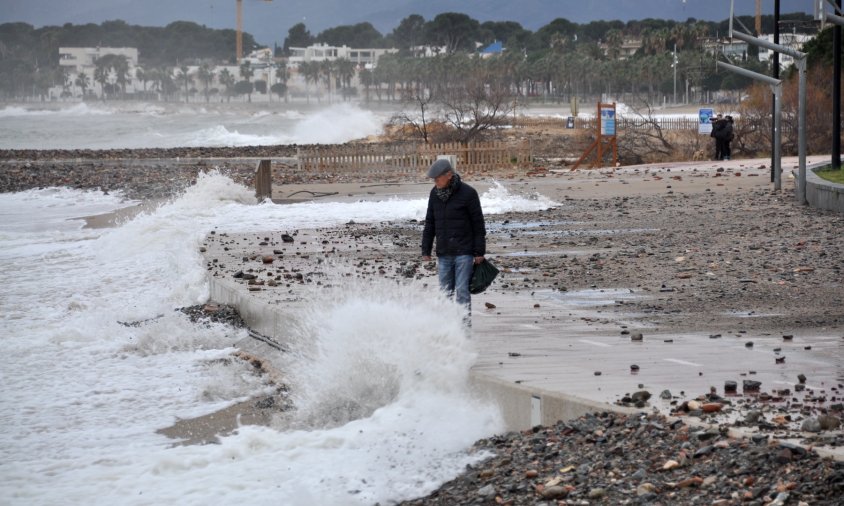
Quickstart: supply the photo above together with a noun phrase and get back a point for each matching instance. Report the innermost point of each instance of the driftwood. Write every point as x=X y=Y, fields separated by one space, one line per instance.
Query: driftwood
x=314 y=194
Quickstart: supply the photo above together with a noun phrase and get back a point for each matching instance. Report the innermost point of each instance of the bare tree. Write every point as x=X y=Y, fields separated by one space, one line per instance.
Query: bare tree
x=475 y=107
x=421 y=101
x=643 y=138
x=461 y=98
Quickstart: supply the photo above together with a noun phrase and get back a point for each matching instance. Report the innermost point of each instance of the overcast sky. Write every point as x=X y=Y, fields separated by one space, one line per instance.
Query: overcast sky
x=269 y=21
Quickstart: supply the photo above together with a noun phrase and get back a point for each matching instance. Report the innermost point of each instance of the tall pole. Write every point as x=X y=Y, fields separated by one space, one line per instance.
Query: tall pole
x=801 y=132
x=836 y=91
x=800 y=60
x=775 y=72
x=776 y=88
x=777 y=137
x=239 y=49
x=675 y=73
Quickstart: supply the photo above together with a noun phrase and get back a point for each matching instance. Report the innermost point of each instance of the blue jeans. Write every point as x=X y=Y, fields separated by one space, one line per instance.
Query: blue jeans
x=455 y=273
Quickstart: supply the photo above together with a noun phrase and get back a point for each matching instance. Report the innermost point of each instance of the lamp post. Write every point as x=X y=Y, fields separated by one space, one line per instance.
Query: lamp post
x=674 y=64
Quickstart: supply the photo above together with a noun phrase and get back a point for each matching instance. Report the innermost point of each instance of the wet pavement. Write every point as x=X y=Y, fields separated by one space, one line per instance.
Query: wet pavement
x=581 y=343
x=577 y=343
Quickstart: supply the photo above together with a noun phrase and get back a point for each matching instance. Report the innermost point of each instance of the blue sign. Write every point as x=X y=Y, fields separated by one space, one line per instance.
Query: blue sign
x=608 y=122
x=704 y=125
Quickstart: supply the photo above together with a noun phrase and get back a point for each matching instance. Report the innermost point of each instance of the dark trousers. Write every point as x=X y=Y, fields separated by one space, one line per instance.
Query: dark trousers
x=721 y=149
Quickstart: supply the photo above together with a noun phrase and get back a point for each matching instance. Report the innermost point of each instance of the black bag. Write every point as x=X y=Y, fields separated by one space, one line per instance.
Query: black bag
x=483 y=274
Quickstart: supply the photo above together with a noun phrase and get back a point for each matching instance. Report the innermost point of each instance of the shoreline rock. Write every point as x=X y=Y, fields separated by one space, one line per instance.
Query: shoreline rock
x=609 y=458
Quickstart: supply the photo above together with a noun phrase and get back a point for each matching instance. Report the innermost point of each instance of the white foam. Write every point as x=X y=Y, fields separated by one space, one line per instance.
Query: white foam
x=336 y=124
x=80 y=109
x=219 y=135
x=384 y=410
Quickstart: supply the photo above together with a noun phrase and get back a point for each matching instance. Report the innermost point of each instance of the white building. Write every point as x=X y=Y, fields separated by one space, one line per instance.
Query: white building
x=427 y=51
x=736 y=50
x=626 y=50
x=793 y=40
x=77 y=59
x=84 y=59
x=366 y=58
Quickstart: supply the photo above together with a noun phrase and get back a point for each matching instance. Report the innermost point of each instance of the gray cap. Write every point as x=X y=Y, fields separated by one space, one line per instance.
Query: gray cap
x=439 y=168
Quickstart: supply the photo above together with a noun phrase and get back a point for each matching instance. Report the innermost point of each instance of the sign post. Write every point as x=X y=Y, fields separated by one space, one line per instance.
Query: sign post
x=704 y=121
x=606 y=119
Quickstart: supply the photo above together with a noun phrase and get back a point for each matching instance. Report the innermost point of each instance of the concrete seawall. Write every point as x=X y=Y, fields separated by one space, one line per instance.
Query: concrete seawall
x=521 y=407
x=823 y=194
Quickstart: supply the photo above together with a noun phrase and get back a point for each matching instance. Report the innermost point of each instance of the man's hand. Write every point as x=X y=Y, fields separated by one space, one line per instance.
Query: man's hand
x=426 y=258
x=479 y=260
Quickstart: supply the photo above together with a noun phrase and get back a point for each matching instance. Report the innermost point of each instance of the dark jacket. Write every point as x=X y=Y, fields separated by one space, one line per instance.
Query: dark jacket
x=722 y=130
x=457 y=224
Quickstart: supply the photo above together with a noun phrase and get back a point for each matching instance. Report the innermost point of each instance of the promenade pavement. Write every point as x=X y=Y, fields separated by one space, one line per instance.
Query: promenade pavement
x=546 y=354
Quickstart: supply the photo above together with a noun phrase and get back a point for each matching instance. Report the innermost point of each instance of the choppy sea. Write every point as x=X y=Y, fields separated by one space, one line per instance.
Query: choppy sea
x=107 y=125
x=83 y=395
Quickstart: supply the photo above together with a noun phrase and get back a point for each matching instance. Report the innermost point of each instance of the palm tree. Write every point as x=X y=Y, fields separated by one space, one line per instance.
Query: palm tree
x=615 y=38
x=651 y=68
x=63 y=76
x=387 y=72
x=227 y=79
x=142 y=76
x=660 y=40
x=653 y=41
x=698 y=33
x=184 y=78
x=165 y=82
x=345 y=72
x=326 y=68
x=83 y=81
x=154 y=76
x=246 y=72
x=120 y=66
x=206 y=75
x=101 y=76
x=282 y=76
x=310 y=71
x=367 y=80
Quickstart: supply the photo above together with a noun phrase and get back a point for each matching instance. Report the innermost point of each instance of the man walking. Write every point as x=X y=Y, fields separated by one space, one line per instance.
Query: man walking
x=455 y=219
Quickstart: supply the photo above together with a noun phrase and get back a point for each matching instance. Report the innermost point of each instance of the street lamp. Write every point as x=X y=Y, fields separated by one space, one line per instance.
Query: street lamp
x=674 y=65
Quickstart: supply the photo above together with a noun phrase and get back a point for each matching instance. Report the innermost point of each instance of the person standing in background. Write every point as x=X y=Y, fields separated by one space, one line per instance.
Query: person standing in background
x=728 y=134
x=717 y=126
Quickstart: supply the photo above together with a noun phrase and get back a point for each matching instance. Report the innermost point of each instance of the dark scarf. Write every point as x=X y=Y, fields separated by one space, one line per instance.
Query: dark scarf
x=445 y=193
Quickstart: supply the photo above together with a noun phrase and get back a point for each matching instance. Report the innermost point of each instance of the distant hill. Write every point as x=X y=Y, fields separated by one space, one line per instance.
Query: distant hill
x=269 y=22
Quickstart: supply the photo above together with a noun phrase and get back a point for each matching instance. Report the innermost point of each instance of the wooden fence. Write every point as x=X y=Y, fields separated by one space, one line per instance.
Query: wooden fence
x=622 y=123
x=413 y=159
